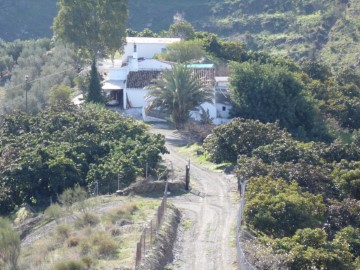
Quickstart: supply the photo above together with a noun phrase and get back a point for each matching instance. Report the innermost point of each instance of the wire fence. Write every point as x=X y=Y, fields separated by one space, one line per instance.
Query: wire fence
x=149 y=233
x=242 y=262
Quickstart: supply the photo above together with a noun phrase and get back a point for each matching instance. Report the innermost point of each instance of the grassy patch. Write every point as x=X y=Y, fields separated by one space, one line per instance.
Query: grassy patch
x=187 y=224
x=98 y=242
x=2 y=94
x=191 y=151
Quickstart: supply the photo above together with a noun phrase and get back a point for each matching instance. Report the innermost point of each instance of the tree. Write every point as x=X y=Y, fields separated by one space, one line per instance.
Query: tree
x=60 y=94
x=311 y=249
x=177 y=91
x=92 y=26
x=279 y=209
x=94 y=91
x=240 y=137
x=182 y=29
x=9 y=245
x=270 y=93
x=184 y=51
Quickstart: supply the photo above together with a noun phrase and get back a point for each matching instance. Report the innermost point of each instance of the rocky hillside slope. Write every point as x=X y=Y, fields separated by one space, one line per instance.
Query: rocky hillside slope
x=329 y=29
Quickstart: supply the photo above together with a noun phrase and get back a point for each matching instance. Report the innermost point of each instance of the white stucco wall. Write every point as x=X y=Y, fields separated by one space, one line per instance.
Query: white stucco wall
x=219 y=110
x=137 y=97
x=146 y=47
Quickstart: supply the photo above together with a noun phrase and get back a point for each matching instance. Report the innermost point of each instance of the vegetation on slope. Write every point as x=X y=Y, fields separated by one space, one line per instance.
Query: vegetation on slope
x=43 y=155
x=303 y=199
x=289 y=28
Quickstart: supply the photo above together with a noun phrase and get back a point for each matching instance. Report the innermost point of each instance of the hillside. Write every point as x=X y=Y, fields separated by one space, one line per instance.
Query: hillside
x=298 y=29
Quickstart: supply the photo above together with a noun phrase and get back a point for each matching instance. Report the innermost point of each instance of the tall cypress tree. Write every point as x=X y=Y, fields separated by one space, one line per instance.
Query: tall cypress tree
x=94 y=94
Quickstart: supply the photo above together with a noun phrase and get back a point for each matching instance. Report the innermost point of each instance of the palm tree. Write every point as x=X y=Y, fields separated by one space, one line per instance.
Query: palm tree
x=176 y=92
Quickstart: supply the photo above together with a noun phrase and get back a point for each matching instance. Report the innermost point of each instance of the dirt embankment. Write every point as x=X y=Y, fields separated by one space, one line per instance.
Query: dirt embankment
x=162 y=251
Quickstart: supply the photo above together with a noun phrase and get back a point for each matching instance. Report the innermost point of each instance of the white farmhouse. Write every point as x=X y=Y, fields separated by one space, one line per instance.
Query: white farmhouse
x=126 y=84
x=145 y=47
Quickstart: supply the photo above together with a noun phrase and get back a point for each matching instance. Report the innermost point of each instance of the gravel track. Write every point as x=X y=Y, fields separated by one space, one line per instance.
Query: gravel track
x=209 y=242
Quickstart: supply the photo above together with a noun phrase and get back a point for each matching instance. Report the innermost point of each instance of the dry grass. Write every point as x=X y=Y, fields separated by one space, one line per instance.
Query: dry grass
x=103 y=244
x=123 y=212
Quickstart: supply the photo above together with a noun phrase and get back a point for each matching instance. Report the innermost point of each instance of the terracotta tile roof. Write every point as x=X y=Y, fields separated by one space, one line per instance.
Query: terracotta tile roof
x=140 y=79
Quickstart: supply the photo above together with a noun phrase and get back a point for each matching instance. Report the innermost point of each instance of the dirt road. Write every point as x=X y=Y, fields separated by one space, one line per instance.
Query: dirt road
x=207 y=238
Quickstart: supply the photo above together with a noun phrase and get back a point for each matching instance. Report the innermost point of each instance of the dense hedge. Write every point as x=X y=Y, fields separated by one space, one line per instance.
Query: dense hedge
x=303 y=199
x=43 y=155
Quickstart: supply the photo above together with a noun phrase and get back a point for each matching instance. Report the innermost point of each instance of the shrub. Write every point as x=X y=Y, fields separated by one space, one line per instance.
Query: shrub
x=88 y=261
x=241 y=137
x=9 y=244
x=125 y=211
x=87 y=219
x=73 y=241
x=22 y=214
x=85 y=246
x=73 y=195
x=113 y=229
x=54 y=212
x=63 y=231
x=104 y=243
x=70 y=265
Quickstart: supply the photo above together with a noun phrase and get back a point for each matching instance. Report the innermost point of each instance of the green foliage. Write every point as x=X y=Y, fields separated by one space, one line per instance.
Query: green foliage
x=272 y=93
x=70 y=265
x=60 y=94
x=104 y=244
x=347 y=177
x=316 y=71
x=46 y=68
x=54 y=211
x=92 y=26
x=94 y=93
x=240 y=137
x=311 y=249
x=43 y=155
x=71 y=196
x=87 y=219
x=225 y=50
x=63 y=231
x=279 y=209
x=9 y=244
x=350 y=236
x=184 y=51
x=177 y=92
x=182 y=29
x=124 y=212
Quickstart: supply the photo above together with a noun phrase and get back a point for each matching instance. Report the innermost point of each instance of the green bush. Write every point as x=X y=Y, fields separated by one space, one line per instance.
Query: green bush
x=279 y=209
x=105 y=245
x=241 y=137
x=70 y=265
x=125 y=211
x=54 y=211
x=73 y=195
x=88 y=261
x=63 y=231
x=9 y=244
x=87 y=219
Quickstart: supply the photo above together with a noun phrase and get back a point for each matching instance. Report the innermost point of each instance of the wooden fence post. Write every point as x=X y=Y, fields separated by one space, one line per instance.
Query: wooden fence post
x=187 y=177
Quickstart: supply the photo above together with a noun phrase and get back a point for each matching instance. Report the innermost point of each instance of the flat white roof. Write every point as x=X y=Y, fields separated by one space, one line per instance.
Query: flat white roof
x=113 y=85
x=221 y=79
x=151 y=40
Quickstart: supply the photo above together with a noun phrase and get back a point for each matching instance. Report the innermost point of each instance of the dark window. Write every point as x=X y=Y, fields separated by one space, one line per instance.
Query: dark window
x=224 y=108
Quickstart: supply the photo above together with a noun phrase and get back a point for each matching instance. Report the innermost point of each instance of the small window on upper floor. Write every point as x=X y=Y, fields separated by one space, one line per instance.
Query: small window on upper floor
x=224 y=108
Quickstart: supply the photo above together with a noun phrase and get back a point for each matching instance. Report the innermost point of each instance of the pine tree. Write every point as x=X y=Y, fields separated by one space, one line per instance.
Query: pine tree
x=94 y=94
